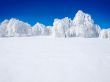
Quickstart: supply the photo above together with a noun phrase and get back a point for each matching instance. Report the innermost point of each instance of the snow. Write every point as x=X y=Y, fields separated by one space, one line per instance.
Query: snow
x=48 y=59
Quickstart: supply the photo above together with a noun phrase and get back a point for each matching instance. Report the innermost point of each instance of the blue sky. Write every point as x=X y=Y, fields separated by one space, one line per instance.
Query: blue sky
x=45 y=11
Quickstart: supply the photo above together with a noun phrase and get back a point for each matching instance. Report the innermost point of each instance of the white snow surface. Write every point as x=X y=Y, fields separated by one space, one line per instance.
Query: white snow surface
x=47 y=59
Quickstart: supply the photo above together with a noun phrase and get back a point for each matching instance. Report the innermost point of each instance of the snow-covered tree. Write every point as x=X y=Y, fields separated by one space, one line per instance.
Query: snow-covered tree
x=61 y=27
x=3 y=27
x=105 y=33
x=37 y=29
x=17 y=28
x=47 y=30
x=83 y=26
x=14 y=27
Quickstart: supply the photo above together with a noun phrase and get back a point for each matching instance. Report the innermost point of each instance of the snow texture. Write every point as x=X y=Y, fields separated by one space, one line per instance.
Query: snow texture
x=47 y=59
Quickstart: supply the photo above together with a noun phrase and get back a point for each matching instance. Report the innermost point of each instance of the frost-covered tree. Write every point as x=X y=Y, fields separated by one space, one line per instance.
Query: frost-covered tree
x=47 y=30
x=83 y=26
x=3 y=27
x=40 y=29
x=17 y=28
x=61 y=27
x=37 y=29
x=14 y=27
x=105 y=33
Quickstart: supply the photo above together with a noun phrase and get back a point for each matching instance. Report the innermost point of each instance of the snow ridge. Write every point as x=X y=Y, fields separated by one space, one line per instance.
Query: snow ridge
x=82 y=25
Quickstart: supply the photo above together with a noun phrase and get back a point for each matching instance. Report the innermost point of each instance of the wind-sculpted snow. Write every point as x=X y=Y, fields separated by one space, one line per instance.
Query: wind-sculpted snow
x=82 y=25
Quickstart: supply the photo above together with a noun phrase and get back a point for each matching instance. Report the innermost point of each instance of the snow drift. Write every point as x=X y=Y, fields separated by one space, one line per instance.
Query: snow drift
x=45 y=59
x=82 y=25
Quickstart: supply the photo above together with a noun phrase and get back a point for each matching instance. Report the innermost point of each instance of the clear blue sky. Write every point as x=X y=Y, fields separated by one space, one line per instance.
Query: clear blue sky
x=45 y=11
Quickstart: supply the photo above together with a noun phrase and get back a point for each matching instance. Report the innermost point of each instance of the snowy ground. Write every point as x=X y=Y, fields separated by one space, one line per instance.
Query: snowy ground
x=45 y=59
